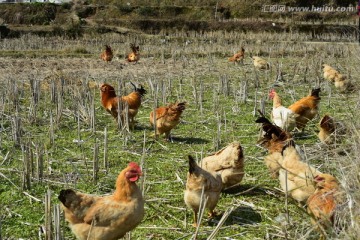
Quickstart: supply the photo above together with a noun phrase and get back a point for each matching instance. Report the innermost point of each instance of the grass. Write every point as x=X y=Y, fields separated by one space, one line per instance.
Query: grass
x=181 y=66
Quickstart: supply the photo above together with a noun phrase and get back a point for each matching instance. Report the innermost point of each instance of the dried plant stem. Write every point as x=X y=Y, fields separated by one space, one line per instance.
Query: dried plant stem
x=200 y=213
x=56 y=220
x=221 y=222
x=106 y=164
x=48 y=218
x=96 y=161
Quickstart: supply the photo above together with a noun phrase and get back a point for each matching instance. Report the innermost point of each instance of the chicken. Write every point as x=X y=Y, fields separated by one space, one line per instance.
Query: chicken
x=106 y=217
x=238 y=57
x=167 y=118
x=260 y=63
x=327 y=128
x=321 y=205
x=110 y=102
x=282 y=116
x=340 y=81
x=228 y=163
x=273 y=140
x=306 y=108
x=330 y=73
x=343 y=84
x=199 y=180
x=134 y=56
x=330 y=130
x=107 y=54
x=295 y=176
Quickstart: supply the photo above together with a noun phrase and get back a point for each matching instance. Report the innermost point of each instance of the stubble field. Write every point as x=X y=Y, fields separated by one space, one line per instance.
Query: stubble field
x=53 y=128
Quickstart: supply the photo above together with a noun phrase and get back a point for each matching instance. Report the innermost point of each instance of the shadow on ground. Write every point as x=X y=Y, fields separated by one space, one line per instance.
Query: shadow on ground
x=190 y=140
x=243 y=215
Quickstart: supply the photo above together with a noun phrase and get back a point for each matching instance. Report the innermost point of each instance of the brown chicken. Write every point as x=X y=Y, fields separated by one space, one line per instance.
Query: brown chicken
x=274 y=139
x=134 y=56
x=199 y=180
x=295 y=176
x=106 y=217
x=228 y=163
x=327 y=128
x=306 y=108
x=167 y=118
x=110 y=102
x=260 y=63
x=238 y=57
x=331 y=131
x=322 y=204
x=107 y=54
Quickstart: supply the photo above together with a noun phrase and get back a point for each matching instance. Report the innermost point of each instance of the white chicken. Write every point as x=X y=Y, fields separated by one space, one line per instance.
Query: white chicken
x=282 y=116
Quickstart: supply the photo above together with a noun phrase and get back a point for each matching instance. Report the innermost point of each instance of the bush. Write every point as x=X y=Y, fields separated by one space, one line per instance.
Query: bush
x=4 y=31
x=147 y=11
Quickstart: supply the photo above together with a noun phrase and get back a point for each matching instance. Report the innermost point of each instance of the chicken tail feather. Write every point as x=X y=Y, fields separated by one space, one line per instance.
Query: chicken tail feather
x=192 y=164
x=263 y=120
x=315 y=92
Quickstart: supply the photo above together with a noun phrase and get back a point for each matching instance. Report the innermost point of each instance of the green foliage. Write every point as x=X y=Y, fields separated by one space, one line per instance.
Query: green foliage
x=74 y=31
x=146 y=11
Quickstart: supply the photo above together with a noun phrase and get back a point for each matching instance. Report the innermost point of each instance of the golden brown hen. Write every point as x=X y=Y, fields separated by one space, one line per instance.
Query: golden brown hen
x=107 y=54
x=107 y=217
x=295 y=176
x=198 y=181
x=260 y=63
x=238 y=57
x=134 y=56
x=110 y=102
x=228 y=163
x=323 y=203
x=167 y=118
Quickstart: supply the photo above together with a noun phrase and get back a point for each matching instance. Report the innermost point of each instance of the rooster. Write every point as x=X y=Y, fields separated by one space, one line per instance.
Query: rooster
x=134 y=56
x=107 y=54
x=198 y=181
x=106 y=217
x=322 y=204
x=167 y=118
x=260 y=63
x=273 y=140
x=282 y=116
x=228 y=163
x=110 y=102
x=306 y=108
x=238 y=57
x=296 y=176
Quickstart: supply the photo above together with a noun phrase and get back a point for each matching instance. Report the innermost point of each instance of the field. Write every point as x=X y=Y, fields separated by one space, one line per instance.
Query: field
x=54 y=133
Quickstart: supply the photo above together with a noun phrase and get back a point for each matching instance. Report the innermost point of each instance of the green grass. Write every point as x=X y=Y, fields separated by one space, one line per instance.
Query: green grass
x=258 y=206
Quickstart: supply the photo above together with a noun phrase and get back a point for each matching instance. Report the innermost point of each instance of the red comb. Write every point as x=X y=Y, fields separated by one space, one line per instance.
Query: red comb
x=134 y=165
x=317 y=178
